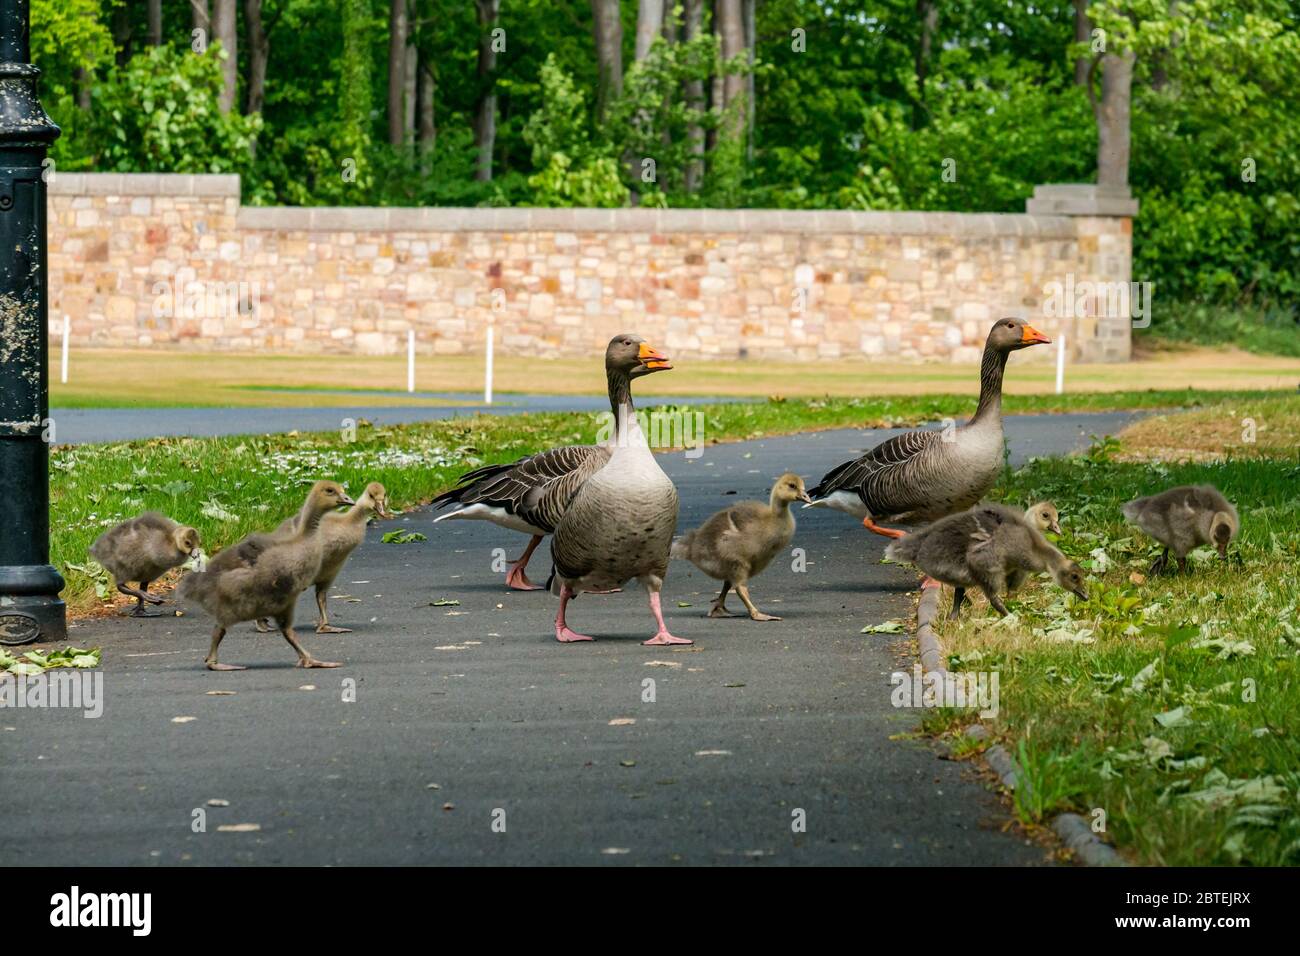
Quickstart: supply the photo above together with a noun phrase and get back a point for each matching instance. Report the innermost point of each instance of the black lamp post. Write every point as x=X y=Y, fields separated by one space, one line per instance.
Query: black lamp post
x=30 y=607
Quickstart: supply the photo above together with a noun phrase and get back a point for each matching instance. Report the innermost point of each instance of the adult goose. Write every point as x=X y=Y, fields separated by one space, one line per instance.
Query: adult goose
x=621 y=520
x=926 y=475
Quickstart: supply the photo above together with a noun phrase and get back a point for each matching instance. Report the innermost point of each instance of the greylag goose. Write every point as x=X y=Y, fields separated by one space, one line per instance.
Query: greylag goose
x=263 y=575
x=621 y=520
x=737 y=543
x=1183 y=518
x=143 y=549
x=924 y=475
x=989 y=546
x=340 y=532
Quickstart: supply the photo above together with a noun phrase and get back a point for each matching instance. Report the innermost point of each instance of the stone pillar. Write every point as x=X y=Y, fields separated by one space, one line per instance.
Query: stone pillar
x=1099 y=330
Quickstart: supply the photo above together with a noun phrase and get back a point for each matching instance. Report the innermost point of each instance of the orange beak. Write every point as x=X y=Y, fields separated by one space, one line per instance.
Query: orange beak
x=652 y=358
x=1032 y=336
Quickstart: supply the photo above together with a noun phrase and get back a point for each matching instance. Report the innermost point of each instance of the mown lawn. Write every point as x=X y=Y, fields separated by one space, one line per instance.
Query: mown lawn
x=1165 y=706
x=227 y=487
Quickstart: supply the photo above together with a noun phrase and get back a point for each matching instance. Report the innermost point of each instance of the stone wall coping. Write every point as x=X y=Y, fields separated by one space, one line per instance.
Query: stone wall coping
x=144 y=184
x=456 y=219
x=1050 y=223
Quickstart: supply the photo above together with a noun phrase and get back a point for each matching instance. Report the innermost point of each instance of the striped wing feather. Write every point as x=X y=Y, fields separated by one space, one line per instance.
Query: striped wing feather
x=536 y=488
x=885 y=478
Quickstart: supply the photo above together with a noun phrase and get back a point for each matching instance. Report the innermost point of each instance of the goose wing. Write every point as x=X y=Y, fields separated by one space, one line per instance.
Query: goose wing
x=536 y=488
x=885 y=478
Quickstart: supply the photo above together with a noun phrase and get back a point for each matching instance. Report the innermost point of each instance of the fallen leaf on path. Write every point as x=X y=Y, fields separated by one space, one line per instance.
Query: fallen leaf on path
x=221 y=693
x=183 y=720
x=622 y=721
x=713 y=753
x=239 y=828
x=217 y=802
x=663 y=664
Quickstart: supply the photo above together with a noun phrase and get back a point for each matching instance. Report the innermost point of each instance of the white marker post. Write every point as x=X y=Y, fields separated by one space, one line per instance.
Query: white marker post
x=410 y=360
x=1060 y=363
x=487 y=371
x=67 y=333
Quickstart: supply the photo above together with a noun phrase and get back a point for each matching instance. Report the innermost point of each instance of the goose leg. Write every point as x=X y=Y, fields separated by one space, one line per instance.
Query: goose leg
x=719 y=608
x=958 y=595
x=1158 y=565
x=141 y=595
x=515 y=577
x=304 y=659
x=264 y=625
x=870 y=525
x=218 y=633
x=562 y=630
x=323 y=625
x=662 y=636
x=1182 y=565
x=754 y=613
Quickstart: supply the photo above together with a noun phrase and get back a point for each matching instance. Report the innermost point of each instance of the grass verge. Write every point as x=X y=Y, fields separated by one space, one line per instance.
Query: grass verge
x=1164 y=707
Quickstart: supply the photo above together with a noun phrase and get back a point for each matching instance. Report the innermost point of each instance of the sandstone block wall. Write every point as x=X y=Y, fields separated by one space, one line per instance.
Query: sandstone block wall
x=175 y=261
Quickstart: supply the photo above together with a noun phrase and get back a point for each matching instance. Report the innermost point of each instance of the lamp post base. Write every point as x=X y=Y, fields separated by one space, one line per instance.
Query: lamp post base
x=30 y=607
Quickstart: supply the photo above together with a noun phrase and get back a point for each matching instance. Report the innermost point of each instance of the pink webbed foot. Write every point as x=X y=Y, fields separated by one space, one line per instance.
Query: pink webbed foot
x=929 y=582
x=663 y=637
x=517 y=580
x=567 y=635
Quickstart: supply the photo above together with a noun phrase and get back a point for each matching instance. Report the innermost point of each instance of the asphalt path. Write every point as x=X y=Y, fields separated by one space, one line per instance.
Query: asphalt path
x=80 y=426
x=475 y=738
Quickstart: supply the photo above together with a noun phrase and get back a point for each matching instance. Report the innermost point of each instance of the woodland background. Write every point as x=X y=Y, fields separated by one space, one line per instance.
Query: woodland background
x=888 y=104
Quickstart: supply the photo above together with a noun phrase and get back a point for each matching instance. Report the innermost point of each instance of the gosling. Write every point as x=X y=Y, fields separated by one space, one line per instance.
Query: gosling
x=263 y=575
x=143 y=549
x=340 y=533
x=737 y=543
x=989 y=546
x=1183 y=518
x=1044 y=517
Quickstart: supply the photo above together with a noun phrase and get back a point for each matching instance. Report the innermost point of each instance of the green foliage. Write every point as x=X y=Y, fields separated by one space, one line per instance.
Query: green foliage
x=159 y=113
x=841 y=121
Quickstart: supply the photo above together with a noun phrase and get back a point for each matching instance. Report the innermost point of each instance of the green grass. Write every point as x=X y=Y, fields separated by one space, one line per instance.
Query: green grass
x=1262 y=331
x=1167 y=703
x=228 y=487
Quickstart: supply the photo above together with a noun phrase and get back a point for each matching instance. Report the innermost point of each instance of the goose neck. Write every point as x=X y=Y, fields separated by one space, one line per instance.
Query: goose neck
x=992 y=367
x=620 y=394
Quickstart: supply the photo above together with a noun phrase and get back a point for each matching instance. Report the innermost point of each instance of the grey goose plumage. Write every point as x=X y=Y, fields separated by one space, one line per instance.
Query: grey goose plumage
x=262 y=575
x=739 y=542
x=142 y=550
x=924 y=475
x=989 y=546
x=1183 y=518
x=620 y=523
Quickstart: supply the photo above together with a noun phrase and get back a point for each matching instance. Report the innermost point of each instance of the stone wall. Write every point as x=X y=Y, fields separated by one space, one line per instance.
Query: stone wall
x=176 y=261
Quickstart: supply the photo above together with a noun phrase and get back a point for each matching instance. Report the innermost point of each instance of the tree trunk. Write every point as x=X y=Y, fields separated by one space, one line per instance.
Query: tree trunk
x=731 y=27
x=485 y=122
x=608 y=30
x=155 y=22
x=200 y=19
x=224 y=29
x=122 y=34
x=412 y=74
x=649 y=21
x=258 y=49
x=428 y=135
x=716 y=96
x=927 y=12
x=1082 y=34
x=751 y=41
x=83 y=81
x=1112 y=114
x=692 y=27
x=397 y=27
